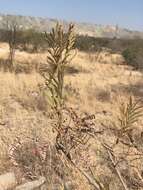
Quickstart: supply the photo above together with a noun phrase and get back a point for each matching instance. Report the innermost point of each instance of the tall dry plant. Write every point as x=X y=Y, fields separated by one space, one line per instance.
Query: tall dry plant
x=72 y=130
x=59 y=55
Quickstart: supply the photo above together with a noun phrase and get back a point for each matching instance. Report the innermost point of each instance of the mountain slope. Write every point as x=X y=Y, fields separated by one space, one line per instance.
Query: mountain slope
x=45 y=24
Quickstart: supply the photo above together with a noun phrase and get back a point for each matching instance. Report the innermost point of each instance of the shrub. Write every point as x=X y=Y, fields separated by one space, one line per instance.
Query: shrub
x=103 y=95
x=134 y=57
x=37 y=158
x=130 y=56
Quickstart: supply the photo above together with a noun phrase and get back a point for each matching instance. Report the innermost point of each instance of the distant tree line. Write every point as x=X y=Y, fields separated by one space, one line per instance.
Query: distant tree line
x=26 y=40
x=32 y=41
x=131 y=49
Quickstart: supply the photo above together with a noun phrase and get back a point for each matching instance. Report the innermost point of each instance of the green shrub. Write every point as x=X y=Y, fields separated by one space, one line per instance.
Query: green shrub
x=134 y=57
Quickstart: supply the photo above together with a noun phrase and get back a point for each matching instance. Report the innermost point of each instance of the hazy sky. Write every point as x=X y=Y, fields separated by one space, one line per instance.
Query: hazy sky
x=125 y=13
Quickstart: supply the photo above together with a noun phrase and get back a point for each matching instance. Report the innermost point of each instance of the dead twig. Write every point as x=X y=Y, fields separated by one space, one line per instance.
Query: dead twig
x=111 y=156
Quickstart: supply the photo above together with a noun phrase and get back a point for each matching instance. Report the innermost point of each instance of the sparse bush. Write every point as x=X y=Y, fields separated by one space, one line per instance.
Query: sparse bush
x=134 y=57
x=30 y=41
x=70 y=91
x=103 y=95
x=91 y=44
x=71 y=70
x=37 y=158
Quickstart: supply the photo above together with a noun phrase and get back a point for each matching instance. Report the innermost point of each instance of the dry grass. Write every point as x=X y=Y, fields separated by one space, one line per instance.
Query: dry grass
x=100 y=77
x=23 y=109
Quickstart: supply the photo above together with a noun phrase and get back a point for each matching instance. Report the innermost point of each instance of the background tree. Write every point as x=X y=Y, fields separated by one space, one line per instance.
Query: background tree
x=11 y=27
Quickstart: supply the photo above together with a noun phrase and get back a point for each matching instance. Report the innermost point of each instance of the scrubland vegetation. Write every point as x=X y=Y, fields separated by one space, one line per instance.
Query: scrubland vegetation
x=70 y=111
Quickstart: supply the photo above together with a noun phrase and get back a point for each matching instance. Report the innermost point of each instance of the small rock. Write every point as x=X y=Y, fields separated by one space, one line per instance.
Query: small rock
x=7 y=181
x=31 y=185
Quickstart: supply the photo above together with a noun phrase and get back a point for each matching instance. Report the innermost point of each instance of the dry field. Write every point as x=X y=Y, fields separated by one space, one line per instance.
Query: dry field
x=93 y=85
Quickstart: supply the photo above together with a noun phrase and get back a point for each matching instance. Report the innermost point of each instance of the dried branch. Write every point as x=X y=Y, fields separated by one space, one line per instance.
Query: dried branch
x=112 y=156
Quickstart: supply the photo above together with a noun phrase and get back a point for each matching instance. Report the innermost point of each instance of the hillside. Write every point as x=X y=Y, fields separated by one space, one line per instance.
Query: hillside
x=45 y=24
